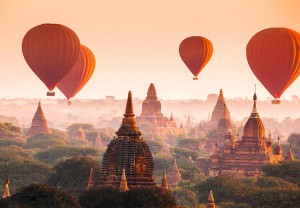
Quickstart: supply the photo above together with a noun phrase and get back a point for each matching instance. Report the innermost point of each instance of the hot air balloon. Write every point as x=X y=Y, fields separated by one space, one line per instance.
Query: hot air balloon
x=195 y=52
x=79 y=75
x=50 y=50
x=273 y=56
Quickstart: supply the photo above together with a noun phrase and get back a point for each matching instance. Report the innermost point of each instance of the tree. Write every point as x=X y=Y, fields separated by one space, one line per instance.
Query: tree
x=43 y=141
x=273 y=182
x=270 y=198
x=233 y=205
x=22 y=173
x=72 y=175
x=185 y=197
x=7 y=130
x=155 y=147
x=287 y=170
x=37 y=195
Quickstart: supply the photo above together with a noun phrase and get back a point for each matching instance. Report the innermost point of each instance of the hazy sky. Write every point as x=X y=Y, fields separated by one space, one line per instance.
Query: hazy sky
x=136 y=42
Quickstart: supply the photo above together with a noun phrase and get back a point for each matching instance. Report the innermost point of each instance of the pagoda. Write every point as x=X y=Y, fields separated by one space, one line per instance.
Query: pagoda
x=39 y=123
x=249 y=154
x=91 y=182
x=290 y=155
x=6 y=192
x=164 y=182
x=210 y=201
x=218 y=112
x=151 y=113
x=174 y=176
x=98 y=141
x=128 y=151
x=80 y=133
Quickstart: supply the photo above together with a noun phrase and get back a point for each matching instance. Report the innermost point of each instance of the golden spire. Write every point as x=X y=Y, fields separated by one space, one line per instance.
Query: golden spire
x=210 y=202
x=6 y=192
x=129 y=127
x=254 y=110
x=164 y=182
x=91 y=183
x=123 y=184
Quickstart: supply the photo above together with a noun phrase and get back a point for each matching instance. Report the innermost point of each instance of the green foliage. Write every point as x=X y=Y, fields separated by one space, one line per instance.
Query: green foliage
x=270 y=198
x=190 y=143
x=185 y=197
x=272 y=182
x=10 y=142
x=8 y=153
x=287 y=170
x=74 y=127
x=7 y=130
x=191 y=172
x=44 y=141
x=155 y=147
x=134 y=198
x=224 y=188
x=183 y=152
x=59 y=134
x=55 y=155
x=72 y=175
x=40 y=196
x=22 y=173
x=161 y=163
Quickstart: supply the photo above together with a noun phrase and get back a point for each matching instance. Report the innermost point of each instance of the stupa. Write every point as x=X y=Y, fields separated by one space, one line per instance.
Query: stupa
x=80 y=133
x=6 y=192
x=174 y=176
x=210 y=201
x=218 y=112
x=127 y=151
x=39 y=123
x=91 y=183
x=98 y=141
x=290 y=155
x=249 y=154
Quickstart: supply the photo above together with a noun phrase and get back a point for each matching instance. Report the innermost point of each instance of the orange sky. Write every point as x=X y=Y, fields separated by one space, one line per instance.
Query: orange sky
x=136 y=42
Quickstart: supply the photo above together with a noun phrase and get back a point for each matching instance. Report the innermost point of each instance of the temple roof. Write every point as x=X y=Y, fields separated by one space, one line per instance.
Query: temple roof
x=171 y=117
x=218 y=111
x=254 y=126
x=39 y=123
x=129 y=126
x=164 y=182
x=151 y=94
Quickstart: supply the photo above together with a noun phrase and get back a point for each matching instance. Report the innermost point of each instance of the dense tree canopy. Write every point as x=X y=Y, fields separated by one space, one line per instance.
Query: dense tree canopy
x=43 y=141
x=72 y=175
x=8 y=130
x=40 y=196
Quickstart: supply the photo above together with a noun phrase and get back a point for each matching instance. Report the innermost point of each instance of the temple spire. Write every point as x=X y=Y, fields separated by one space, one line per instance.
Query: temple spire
x=164 y=182
x=210 y=202
x=171 y=117
x=254 y=110
x=91 y=183
x=98 y=141
x=129 y=127
x=6 y=192
x=290 y=155
x=151 y=94
x=123 y=184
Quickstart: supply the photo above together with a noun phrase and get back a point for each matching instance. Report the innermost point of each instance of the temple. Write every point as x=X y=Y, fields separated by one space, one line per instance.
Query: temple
x=164 y=182
x=218 y=112
x=249 y=154
x=174 y=175
x=6 y=192
x=151 y=113
x=129 y=152
x=39 y=123
x=210 y=201
x=98 y=141
x=80 y=133
x=91 y=182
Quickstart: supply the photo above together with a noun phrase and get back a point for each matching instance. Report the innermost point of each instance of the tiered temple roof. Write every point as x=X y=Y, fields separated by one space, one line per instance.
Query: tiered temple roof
x=174 y=175
x=127 y=151
x=249 y=154
x=218 y=112
x=39 y=123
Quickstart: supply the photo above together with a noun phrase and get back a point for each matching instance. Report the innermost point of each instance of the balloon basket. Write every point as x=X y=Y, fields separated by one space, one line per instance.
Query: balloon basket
x=195 y=78
x=69 y=102
x=276 y=101
x=50 y=93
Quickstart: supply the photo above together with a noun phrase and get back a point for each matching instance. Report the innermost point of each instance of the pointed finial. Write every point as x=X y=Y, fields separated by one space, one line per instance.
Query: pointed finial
x=164 y=182
x=39 y=105
x=129 y=105
x=123 y=183
x=254 y=110
x=6 y=192
x=221 y=91
x=210 y=197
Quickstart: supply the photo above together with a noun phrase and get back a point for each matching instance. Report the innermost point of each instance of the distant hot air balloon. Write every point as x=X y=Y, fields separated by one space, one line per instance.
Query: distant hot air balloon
x=79 y=75
x=195 y=52
x=50 y=50
x=273 y=55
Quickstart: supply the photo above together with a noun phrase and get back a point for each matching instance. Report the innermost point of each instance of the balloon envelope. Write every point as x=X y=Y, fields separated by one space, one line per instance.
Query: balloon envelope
x=50 y=50
x=273 y=56
x=195 y=52
x=80 y=73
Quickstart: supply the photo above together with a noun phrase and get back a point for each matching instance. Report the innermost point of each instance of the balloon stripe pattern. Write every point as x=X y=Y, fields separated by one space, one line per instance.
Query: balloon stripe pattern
x=195 y=52
x=50 y=50
x=273 y=56
x=80 y=73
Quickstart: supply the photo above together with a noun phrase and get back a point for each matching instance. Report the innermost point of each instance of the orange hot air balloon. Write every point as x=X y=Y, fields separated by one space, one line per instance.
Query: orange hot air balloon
x=50 y=50
x=273 y=56
x=79 y=75
x=195 y=52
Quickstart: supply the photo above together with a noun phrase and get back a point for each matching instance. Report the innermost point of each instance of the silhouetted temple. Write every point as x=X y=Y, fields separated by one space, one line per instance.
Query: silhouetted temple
x=39 y=123
x=248 y=155
x=128 y=151
x=151 y=113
